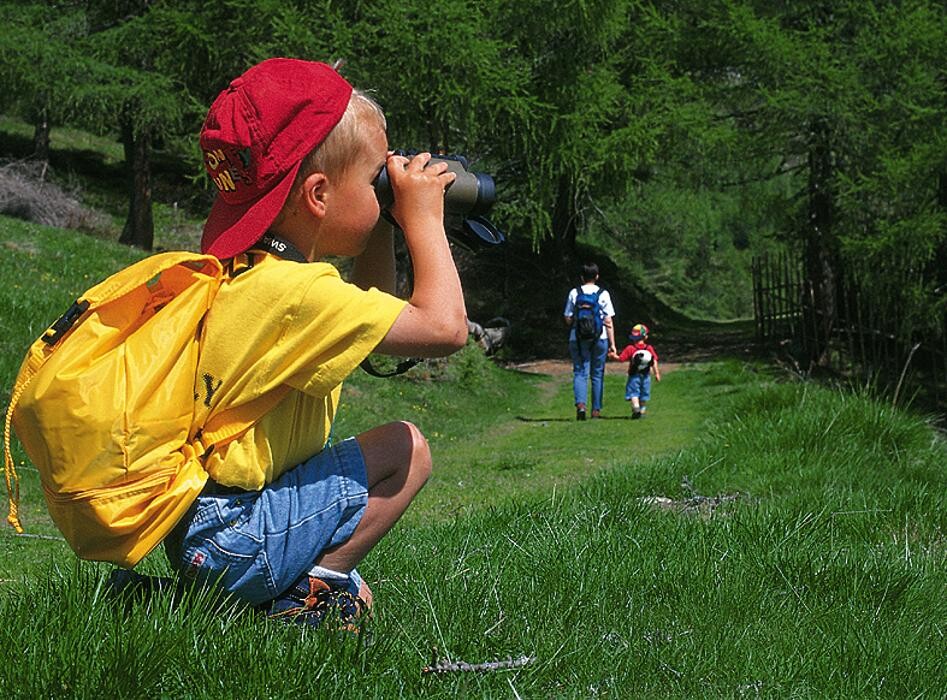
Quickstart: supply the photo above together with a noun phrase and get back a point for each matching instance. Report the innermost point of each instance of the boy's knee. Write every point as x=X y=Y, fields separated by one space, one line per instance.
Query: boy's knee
x=420 y=460
x=397 y=447
x=414 y=462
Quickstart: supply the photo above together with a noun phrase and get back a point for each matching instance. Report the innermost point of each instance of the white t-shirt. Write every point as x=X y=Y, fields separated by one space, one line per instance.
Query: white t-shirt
x=604 y=301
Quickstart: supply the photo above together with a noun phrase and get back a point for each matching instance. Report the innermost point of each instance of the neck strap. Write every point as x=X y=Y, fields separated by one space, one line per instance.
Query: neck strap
x=280 y=247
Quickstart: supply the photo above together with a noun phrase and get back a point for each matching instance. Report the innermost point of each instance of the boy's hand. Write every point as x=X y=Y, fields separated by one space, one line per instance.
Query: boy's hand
x=419 y=190
x=612 y=355
x=434 y=323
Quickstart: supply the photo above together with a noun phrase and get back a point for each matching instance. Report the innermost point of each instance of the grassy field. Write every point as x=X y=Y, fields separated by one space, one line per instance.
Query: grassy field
x=799 y=550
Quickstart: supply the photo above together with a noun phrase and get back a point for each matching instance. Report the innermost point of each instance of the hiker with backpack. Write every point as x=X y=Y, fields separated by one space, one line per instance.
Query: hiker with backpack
x=642 y=362
x=588 y=314
x=220 y=442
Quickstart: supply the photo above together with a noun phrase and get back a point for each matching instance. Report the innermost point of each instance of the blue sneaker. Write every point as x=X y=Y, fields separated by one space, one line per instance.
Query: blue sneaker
x=311 y=601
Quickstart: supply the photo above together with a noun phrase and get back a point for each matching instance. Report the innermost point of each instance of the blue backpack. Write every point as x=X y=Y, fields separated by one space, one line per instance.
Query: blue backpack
x=589 y=318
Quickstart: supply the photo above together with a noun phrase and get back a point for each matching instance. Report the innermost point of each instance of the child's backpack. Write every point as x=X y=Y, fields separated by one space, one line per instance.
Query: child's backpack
x=589 y=318
x=641 y=361
x=104 y=406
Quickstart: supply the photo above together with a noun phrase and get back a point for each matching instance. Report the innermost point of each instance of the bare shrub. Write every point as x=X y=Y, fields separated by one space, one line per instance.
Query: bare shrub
x=25 y=194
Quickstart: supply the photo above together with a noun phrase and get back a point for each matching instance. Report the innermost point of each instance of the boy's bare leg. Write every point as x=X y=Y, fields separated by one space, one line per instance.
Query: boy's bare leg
x=397 y=464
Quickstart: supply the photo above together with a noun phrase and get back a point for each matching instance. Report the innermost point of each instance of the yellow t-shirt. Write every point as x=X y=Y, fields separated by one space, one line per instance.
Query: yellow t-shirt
x=283 y=322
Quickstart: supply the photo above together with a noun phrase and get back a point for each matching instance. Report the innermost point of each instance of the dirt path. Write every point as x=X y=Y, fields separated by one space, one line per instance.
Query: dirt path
x=564 y=367
x=700 y=342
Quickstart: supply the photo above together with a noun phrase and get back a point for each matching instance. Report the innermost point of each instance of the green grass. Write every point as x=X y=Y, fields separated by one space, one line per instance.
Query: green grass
x=44 y=270
x=823 y=576
x=512 y=434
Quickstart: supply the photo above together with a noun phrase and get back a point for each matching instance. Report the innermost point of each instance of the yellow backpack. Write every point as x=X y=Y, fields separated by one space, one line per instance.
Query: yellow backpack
x=104 y=407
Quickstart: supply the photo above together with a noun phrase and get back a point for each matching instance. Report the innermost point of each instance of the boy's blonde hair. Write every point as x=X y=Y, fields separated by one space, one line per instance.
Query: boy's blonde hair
x=345 y=143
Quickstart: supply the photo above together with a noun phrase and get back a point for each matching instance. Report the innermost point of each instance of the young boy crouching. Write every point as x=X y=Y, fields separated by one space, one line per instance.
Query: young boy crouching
x=285 y=517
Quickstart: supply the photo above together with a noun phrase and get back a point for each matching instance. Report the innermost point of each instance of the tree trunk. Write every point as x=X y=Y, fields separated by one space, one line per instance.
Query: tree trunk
x=819 y=249
x=564 y=222
x=41 y=137
x=940 y=257
x=139 y=226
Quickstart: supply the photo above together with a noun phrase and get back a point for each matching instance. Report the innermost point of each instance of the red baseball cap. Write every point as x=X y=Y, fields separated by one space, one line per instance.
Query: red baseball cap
x=254 y=139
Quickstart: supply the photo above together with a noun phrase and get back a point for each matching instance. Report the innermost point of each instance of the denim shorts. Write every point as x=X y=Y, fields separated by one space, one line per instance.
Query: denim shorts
x=638 y=386
x=257 y=544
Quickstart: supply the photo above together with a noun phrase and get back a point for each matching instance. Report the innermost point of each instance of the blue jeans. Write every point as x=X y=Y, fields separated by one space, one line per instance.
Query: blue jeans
x=257 y=544
x=588 y=358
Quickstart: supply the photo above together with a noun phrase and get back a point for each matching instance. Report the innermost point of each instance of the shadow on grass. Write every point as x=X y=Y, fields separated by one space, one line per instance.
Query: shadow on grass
x=528 y=419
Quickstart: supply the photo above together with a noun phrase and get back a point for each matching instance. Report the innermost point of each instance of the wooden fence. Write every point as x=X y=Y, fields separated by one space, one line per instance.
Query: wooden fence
x=777 y=298
x=864 y=341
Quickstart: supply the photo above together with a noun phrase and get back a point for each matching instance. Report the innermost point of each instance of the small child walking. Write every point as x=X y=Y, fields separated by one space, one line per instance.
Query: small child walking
x=642 y=362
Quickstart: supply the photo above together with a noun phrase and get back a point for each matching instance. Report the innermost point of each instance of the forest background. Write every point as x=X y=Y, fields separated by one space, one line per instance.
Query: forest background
x=671 y=141
x=676 y=140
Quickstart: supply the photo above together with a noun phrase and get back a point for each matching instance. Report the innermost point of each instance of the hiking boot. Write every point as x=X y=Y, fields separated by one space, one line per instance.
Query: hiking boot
x=312 y=601
x=596 y=414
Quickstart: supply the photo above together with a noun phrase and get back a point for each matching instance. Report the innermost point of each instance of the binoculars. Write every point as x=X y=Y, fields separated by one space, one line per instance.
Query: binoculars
x=467 y=201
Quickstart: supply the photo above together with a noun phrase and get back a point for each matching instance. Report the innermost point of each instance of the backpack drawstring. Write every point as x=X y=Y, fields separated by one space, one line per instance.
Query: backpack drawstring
x=9 y=468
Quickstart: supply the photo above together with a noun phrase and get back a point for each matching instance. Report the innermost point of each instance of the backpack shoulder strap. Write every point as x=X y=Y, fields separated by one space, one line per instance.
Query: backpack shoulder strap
x=597 y=305
x=124 y=281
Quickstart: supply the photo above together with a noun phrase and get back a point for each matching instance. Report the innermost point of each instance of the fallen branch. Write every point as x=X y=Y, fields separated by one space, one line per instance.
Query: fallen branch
x=693 y=504
x=696 y=501
x=447 y=666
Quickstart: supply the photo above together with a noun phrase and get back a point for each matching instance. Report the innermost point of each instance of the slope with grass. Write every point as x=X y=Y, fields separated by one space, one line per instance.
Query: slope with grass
x=821 y=576
x=800 y=550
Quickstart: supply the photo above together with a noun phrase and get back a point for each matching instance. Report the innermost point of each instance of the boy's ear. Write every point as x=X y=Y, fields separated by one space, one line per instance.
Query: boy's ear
x=314 y=191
